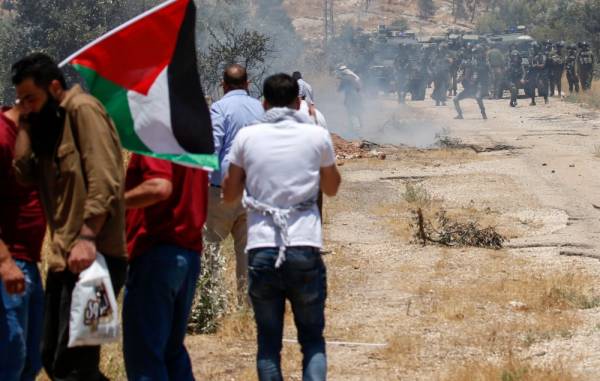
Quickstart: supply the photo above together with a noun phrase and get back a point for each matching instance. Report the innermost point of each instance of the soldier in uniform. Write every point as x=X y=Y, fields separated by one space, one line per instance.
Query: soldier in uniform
x=475 y=79
x=401 y=72
x=586 y=66
x=537 y=77
x=571 y=68
x=417 y=82
x=440 y=70
x=455 y=58
x=516 y=75
x=557 y=67
x=498 y=65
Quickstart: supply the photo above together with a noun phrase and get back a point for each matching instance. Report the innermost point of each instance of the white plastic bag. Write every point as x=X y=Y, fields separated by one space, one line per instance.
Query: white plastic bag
x=94 y=311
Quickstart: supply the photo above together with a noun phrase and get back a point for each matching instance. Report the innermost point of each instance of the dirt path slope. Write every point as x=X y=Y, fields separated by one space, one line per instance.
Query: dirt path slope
x=401 y=311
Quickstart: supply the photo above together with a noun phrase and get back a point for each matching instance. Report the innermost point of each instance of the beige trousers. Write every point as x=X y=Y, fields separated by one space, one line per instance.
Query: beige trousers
x=222 y=220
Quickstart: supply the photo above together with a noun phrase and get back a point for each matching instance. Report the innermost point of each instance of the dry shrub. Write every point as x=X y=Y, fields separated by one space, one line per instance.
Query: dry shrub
x=417 y=195
x=511 y=370
x=449 y=232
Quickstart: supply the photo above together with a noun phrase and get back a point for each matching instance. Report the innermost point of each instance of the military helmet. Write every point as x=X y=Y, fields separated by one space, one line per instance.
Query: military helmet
x=572 y=47
x=585 y=45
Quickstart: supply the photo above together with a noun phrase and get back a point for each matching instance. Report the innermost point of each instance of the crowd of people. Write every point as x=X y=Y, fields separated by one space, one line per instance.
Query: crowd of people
x=483 y=71
x=62 y=170
x=486 y=71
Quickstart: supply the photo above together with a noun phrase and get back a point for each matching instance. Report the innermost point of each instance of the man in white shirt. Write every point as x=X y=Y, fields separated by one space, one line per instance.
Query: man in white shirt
x=282 y=163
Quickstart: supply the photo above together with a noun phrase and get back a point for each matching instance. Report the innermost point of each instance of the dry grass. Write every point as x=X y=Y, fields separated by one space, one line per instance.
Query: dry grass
x=589 y=98
x=403 y=351
x=510 y=370
x=501 y=307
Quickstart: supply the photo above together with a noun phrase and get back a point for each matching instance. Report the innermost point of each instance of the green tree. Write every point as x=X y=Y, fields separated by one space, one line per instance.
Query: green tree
x=426 y=8
x=58 y=27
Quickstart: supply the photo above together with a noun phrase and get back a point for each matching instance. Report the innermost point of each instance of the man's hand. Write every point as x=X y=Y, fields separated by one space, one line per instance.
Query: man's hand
x=81 y=256
x=12 y=277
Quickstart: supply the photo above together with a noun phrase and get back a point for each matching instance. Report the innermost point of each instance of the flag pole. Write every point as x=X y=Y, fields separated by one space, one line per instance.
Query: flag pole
x=117 y=29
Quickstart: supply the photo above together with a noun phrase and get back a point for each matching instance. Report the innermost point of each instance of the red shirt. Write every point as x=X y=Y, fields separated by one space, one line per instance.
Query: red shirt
x=22 y=222
x=176 y=221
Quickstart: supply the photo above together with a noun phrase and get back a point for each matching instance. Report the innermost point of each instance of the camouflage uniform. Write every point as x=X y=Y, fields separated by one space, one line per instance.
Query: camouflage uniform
x=476 y=79
x=497 y=65
x=516 y=75
x=586 y=66
x=441 y=76
x=537 y=77
x=571 y=69
x=557 y=68
x=401 y=74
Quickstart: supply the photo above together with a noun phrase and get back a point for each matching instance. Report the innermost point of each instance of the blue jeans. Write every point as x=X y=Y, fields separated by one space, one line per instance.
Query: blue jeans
x=21 y=319
x=158 y=298
x=303 y=280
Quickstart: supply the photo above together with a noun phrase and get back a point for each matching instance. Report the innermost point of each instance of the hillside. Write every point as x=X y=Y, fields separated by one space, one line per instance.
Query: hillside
x=308 y=18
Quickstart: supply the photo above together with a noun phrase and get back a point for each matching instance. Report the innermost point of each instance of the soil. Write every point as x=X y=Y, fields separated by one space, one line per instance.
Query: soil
x=400 y=311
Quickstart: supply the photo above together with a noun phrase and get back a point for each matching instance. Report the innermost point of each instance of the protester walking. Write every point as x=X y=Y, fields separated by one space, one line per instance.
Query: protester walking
x=229 y=115
x=68 y=147
x=282 y=162
x=166 y=210
x=22 y=229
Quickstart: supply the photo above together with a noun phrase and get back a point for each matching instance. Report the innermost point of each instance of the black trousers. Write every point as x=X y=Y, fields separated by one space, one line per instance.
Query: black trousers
x=79 y=363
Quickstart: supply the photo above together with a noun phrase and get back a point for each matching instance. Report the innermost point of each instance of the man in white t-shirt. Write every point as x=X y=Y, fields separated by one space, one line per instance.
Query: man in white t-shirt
x=282 y=163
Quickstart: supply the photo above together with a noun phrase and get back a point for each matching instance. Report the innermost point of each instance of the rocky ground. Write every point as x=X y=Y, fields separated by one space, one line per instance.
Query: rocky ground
x=398 y=310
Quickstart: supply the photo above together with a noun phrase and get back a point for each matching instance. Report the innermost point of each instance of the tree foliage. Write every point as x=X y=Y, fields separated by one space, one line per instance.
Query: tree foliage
x=546 y=19
x=57 y=27
x=426 y=8
x=248 y=48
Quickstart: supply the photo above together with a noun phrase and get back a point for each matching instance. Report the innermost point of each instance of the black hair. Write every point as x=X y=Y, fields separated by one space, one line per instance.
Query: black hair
x=235 y=76
x=40 y=67
x=296 y=75
x=280 y=90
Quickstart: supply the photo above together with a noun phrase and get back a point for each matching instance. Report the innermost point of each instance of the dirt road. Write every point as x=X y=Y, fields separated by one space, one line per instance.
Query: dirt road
x=401 y=311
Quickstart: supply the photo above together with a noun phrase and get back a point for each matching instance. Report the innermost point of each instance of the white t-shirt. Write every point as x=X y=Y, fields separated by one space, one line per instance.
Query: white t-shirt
x=319 y=119
x=282 y=163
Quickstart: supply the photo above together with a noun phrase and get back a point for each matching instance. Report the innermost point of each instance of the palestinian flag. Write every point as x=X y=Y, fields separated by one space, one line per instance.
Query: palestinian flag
x=145 y=74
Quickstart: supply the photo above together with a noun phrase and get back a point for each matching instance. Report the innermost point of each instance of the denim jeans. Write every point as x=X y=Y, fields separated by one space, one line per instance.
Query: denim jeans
x=21 y=318
x=302 y=280
x=158 y=299
x=79 y=363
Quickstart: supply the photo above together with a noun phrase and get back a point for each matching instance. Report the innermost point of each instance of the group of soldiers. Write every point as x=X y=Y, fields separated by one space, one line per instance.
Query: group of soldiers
x=485 y=71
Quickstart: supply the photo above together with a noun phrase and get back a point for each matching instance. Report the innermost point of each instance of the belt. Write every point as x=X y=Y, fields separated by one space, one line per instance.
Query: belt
x=215 y=186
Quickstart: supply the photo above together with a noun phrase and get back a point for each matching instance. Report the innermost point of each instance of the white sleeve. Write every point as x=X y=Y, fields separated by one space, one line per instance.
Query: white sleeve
x=236 y=153
x=327 y=153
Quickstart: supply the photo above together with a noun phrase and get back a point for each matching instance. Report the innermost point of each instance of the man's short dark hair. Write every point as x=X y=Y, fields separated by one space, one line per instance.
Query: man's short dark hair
x=235 y=76
x=280 y=90
x=297 y=75
x=40 y=67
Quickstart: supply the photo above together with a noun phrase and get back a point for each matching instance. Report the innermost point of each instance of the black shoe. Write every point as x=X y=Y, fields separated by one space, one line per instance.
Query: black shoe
x=546 y=100
x=458 y=117
x=484 y=116
x=532 y=103
x=512 y=104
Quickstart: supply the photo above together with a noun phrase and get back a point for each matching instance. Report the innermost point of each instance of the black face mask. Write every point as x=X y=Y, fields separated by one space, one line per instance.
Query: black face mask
x=46 y=127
